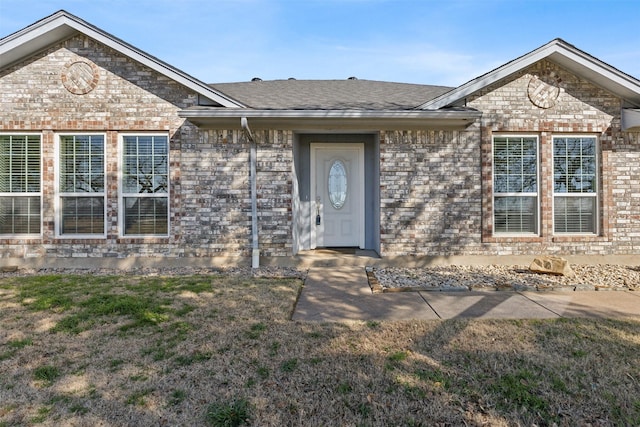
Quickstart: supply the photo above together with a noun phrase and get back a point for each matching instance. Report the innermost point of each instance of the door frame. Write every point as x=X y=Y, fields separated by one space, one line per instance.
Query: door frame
x=361 y=187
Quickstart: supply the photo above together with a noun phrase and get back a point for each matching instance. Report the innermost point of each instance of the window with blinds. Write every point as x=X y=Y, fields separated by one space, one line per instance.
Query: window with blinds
x=145 y=185
x=20 y=185
x=515 y=185
x=575 y=182
x=81 y=185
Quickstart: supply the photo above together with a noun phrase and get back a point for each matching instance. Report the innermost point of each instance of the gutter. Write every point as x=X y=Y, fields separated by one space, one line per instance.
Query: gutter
x=215 y=112
x=255 y=249
x=227 y=118
x=61 y=25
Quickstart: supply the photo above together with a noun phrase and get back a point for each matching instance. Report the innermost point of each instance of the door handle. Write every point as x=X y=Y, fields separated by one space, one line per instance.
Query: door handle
x=318 y=220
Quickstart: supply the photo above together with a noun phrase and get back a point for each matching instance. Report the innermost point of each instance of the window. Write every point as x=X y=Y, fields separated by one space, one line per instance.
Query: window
x=20 y=211
x=515 y=185
x=575 y=185
x=81 y=185
x=145 y=185
x=337 y=184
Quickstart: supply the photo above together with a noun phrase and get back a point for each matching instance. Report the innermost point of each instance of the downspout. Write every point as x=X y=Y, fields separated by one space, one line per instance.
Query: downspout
x=255 y=252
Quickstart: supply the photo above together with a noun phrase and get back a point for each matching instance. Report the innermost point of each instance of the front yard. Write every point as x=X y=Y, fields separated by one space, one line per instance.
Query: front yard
x=220 y=350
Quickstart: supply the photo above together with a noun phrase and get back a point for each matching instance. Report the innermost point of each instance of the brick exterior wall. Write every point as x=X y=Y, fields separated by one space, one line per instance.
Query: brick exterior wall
x=435 y=186
x=274 y=173
x=430 y=192
x=210 y=207
x=126 y=98
x=623 y=195
x=580 y=108
x=217 y=194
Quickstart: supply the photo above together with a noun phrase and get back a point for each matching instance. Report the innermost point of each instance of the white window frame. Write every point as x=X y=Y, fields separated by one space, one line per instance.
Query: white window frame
x=594 y=194
x=122 y=194
x=59 y=194
x=27 y=194
x=536 y=233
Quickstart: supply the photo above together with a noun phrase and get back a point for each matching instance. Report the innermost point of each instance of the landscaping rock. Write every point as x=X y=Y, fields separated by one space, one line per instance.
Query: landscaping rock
x=506 y=277
x=555 y=265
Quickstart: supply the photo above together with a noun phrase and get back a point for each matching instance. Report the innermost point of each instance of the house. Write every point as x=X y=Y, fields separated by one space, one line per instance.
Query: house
x=109 y=153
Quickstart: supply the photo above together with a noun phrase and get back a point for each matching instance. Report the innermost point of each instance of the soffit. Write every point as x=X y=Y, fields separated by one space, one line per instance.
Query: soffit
x=562 y=53
x=62 y=25
x=352 y=120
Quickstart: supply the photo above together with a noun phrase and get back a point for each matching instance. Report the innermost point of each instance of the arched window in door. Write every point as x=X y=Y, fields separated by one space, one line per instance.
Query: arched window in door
x=337 y=184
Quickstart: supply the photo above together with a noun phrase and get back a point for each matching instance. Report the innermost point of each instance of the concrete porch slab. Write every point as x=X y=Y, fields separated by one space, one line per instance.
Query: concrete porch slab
x=343 y=294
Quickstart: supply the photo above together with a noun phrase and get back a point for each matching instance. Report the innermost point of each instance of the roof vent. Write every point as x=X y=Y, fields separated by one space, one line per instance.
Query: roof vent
x=352 y=78
x=256 y=79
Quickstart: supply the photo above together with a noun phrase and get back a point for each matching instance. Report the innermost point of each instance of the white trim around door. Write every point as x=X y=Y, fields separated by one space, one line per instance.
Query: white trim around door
x=337 y=195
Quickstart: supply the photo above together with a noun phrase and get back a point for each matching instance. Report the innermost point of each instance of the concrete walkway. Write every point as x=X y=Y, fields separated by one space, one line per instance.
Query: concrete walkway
x=342 y=293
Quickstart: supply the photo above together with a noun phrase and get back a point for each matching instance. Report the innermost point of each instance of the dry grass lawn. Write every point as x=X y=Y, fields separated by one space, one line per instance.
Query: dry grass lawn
x=221 y=350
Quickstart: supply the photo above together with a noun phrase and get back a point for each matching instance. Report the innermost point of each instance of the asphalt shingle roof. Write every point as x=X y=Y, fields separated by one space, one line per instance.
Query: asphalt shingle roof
x=330 y=94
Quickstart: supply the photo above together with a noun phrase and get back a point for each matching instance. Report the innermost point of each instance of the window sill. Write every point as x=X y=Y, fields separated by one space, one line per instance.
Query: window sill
x=512 y=239
x=66 y=240
x=143 y=239
x=81 y=237
x=19 y=240
x=579 y=238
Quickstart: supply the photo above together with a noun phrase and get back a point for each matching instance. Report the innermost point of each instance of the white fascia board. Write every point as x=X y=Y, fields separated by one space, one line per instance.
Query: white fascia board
x=341 y=114
x=571 y=58
x=461 y=92
x=34 y=38
x=331 y=119
x=600 y=74
x=63 y=25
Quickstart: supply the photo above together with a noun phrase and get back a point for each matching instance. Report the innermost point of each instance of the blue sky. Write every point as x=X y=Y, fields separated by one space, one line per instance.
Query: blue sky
x=416 y=41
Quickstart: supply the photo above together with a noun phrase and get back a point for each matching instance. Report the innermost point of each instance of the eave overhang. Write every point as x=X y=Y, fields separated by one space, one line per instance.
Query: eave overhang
x=63 y=25
x=560 y=52
x=332 y=119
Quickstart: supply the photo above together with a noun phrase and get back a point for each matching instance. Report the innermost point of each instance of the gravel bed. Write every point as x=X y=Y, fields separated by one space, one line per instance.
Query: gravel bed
x=501 y=277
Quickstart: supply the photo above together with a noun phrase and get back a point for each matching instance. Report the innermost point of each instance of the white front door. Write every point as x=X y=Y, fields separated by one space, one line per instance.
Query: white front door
x=337 y=195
